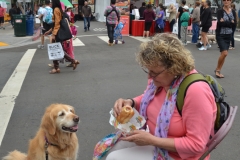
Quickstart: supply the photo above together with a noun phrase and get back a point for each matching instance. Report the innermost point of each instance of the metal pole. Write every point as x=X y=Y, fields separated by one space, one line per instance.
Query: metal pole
x=24 y=7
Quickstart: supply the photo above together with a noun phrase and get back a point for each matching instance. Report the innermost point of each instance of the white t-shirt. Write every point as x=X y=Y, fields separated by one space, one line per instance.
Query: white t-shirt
x=42 y=11
x=45 y=13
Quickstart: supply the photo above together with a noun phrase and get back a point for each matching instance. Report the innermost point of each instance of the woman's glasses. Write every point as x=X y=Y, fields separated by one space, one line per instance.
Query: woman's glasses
x=226 y=0
x=152 y=75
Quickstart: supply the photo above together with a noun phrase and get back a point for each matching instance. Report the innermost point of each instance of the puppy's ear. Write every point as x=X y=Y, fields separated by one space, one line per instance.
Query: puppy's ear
x=48 y=123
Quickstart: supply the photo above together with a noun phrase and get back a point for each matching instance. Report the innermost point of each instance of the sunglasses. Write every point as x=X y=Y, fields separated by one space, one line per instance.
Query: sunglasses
x=226 y=0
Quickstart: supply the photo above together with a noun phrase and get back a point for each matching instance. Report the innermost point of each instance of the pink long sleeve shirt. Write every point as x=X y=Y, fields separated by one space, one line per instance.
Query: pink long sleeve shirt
x=192 y=130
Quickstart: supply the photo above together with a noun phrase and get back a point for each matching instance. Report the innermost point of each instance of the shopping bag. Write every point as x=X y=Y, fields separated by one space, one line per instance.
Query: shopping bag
x=55 y=51
x=175 y=28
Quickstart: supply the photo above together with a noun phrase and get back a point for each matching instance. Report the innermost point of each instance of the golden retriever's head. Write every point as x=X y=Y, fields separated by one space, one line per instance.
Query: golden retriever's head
x=60 y=117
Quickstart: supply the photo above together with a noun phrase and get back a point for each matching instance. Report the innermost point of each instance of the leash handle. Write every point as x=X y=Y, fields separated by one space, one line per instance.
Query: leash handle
x=46 y=151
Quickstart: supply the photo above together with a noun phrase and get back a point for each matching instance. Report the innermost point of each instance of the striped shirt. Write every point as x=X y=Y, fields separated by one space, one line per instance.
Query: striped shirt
x=112 y=18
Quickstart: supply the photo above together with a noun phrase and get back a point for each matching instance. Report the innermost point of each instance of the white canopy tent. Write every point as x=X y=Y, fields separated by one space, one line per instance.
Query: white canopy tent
x=100 y=7
x=3 y=4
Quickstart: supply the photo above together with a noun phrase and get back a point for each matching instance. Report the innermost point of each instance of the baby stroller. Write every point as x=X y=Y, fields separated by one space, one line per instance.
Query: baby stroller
x=118 y=32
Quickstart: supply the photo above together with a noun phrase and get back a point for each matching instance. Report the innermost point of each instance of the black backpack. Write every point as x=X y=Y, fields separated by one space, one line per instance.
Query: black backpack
x=114 y=9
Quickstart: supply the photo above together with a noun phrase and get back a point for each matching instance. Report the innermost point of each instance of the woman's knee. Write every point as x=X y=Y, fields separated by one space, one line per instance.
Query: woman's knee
x=224 y=53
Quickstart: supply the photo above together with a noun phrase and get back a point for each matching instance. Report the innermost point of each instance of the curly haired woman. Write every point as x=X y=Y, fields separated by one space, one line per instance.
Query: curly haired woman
x=171 y=136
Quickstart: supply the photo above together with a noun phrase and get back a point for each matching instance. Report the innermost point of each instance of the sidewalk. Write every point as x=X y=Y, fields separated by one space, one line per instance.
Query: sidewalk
x=8 y=39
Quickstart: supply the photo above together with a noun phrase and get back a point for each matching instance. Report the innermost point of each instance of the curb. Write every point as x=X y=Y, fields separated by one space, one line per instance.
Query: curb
x=21 y=44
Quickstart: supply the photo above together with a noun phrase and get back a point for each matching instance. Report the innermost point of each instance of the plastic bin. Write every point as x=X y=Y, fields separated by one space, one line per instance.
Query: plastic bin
x=30 y=25
x=19 y=25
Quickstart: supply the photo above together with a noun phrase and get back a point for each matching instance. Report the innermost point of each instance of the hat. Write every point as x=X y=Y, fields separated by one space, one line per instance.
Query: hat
x=69 y=7
x=185 y=7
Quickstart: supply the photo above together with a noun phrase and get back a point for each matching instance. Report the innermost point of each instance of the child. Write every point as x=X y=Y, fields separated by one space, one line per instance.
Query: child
x=184 y=24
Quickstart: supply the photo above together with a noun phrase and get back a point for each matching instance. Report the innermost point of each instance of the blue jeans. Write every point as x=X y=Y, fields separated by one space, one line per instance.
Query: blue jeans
x=110 y=29
x=86 y=23
x=195 y=32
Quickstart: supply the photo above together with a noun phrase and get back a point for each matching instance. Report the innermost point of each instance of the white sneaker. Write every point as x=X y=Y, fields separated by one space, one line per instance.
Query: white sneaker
x=41 y=46
x=208 y=46
x=202 y=48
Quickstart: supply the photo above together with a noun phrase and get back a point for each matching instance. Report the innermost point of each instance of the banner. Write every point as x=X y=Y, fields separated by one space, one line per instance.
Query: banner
x=91 y=3
x=168 y=2
x=74 y=1
x=124 y=7
x=125 y=30
x=3 y=4
x=149 y=1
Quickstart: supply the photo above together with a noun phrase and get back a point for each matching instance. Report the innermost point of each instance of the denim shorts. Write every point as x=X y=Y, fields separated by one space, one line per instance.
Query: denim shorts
x=223 y=41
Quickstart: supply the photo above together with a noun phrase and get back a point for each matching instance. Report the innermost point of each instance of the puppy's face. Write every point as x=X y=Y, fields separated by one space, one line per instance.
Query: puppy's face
x=60 y=117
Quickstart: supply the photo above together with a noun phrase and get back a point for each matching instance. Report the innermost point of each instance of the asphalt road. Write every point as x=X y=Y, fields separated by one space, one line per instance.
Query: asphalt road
x=104 y=75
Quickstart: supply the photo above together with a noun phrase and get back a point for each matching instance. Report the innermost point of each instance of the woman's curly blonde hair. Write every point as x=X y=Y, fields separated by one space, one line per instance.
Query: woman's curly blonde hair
x=167 y=50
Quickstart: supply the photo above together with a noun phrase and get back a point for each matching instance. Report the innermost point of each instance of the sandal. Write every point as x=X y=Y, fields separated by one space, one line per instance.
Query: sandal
x=50 y=65
x=231 y=48
x=74 y=65
x=218 y=74
x=54 y=71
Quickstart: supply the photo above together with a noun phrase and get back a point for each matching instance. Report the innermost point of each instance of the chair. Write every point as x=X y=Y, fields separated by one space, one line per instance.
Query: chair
x=221 y=133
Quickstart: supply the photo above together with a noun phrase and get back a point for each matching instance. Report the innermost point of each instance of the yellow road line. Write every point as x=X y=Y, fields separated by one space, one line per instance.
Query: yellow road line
x=3 y=44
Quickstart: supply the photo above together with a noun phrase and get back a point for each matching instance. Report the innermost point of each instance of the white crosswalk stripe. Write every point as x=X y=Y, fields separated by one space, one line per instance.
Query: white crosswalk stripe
x=141 y=39
x=11 y=90
x=78 y=42
x=236 y=39
x=104 y=38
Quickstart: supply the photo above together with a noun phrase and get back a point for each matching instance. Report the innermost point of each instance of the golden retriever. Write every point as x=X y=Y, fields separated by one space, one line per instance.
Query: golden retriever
x=56 y=136
x=211 y=38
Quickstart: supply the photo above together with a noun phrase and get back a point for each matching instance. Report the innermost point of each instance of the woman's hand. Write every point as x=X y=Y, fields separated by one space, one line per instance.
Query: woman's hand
x=140 y=138
x=53 y=37
x=119 y=104
x=221 y=20
x=47 y=33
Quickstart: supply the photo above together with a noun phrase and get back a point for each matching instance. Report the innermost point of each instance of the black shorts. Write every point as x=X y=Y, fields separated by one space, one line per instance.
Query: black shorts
x=1 y=20
x=223 y=41
x=46 y=27
x=205 y=29
x=147 y=26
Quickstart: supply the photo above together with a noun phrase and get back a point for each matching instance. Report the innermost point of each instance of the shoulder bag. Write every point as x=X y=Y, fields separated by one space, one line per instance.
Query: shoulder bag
x=64 y=32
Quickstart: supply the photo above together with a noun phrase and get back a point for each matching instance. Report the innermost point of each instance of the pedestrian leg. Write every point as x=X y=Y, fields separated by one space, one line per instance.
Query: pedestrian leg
x=185 y=35
x=85 y=23
x=179 y=30
x=88 y=19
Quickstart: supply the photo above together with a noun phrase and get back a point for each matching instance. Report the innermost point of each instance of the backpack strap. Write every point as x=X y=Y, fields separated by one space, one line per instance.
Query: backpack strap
x=182 y=90
x=115 y=10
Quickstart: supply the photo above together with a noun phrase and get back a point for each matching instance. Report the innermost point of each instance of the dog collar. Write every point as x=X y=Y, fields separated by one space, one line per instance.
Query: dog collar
x=47 y=143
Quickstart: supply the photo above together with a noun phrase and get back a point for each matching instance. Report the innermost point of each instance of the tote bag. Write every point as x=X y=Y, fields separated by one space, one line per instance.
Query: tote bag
x=55 y=51
x=175 y=28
